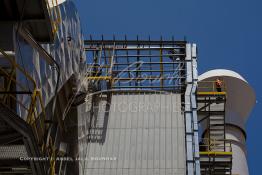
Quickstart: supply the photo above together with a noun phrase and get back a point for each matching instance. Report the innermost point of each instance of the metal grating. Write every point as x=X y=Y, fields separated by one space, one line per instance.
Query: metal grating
x=13 y=152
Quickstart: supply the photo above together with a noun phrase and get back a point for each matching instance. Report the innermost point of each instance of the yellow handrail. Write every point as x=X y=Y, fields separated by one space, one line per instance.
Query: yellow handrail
x=210 y=86
x=214 y=145
x=34 y=107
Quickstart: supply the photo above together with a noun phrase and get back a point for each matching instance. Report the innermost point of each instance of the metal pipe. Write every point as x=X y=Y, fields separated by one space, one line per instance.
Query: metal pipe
x=135 y=42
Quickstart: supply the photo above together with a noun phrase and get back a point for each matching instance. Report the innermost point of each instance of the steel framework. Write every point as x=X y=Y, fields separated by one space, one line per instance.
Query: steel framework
x=149 y=65
x=215 y=149
x=136 y=64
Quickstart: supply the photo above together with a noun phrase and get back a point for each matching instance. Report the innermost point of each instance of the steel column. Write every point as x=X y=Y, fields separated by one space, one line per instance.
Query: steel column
x=192 y=148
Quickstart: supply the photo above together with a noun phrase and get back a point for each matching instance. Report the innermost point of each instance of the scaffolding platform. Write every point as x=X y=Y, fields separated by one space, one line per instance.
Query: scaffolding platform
x=215 y=150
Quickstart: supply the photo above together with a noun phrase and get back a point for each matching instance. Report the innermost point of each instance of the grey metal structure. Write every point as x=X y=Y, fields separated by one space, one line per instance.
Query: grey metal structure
x=41 y=52
x=191 y=121
x=132 y=124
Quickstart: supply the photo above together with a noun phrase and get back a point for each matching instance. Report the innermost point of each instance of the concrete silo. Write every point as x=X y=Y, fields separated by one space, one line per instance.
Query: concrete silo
x=235 y=108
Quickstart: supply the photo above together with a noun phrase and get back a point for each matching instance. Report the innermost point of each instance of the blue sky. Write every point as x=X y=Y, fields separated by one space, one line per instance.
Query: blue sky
x=228 y=34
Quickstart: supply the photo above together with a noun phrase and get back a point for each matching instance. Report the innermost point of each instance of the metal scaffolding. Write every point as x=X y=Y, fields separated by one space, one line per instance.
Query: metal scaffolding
x=215 y=150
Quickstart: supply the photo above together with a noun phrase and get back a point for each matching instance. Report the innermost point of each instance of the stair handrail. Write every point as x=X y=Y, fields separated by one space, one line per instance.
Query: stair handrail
x=214 y=145
x=33 y=114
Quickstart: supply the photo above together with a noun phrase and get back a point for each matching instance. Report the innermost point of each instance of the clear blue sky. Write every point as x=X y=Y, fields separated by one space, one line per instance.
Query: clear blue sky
x=228 y=34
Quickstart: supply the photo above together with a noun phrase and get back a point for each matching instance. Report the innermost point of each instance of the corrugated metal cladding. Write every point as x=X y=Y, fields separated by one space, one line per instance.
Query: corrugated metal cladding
x=141 y=134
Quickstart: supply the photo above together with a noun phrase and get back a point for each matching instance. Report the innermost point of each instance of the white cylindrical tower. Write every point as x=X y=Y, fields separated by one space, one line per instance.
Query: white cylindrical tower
x=240 y=101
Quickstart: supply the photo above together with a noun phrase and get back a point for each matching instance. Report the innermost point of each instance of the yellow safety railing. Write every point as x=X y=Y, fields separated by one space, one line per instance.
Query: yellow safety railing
x=210 y=88
x=215 y=147
x=94 y=75
x=29 y=100
x=54 y=13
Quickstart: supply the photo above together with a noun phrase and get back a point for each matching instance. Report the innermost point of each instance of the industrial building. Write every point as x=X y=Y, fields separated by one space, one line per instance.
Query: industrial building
x=92 y=106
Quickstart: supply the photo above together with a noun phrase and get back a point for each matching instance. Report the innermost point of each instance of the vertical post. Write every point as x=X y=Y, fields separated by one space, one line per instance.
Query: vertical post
x=161 y=65
x=111 y=66
x=194 y=108
x=137 y=61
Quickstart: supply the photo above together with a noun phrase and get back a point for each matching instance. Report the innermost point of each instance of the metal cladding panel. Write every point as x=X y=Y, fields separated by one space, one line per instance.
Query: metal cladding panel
x=67 y=50
x=140 y=134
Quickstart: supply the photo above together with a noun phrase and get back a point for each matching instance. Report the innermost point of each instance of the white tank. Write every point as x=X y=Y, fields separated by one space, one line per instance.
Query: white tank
x=240 y=101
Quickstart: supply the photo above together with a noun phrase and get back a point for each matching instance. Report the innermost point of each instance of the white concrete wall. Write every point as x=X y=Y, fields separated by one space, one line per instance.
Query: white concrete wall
x=239 y=164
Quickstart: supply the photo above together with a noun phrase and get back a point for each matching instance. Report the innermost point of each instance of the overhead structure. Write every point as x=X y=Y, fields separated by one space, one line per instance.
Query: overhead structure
x=137 y=64
x=223 y=116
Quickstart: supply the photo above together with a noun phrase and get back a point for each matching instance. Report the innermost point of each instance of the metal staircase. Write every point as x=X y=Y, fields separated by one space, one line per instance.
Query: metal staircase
x=215 y=150
x=21 y=98
x=28 y=126
x=25 y=130
x=18 y=148
x=217 y=129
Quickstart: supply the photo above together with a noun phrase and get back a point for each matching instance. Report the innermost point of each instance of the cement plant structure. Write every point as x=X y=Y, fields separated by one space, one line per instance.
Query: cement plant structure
x=112 y=107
